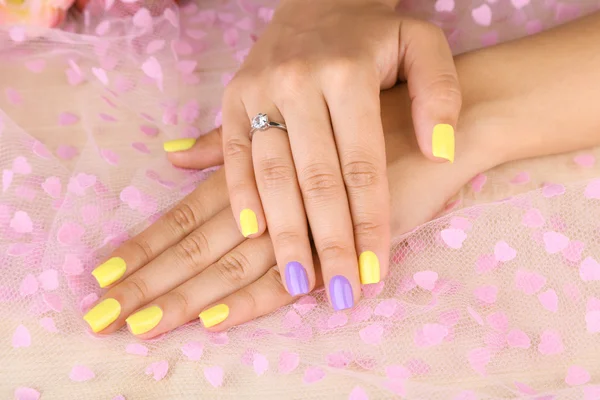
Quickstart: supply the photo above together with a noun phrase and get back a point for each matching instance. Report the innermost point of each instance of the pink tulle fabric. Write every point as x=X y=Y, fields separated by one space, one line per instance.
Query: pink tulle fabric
x=499 y=298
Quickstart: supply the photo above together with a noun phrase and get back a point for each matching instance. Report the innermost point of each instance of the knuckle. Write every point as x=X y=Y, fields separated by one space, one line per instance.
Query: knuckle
x=141 y=247
x=445 y=88
x=248 y=298
x=137 y=288
x=233 y=268
x=275 y=172
x=319 y=182
x=193 y=248
x=286 y=238
x=342 y=71
x=332 y=249
x=180 y=302
x=360 y=174
x=368 y=229
x=292 y=74
x=183 y=218
x=235 y=147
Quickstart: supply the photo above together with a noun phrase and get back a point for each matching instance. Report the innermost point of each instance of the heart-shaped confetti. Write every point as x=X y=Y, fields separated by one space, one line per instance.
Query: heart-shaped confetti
x=81 y=373
x=214 y=376
x=158 y=370
x=25 y=393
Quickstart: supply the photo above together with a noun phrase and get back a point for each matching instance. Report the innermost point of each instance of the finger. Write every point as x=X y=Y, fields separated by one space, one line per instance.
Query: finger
x=196 y=208
x=237 y=153
x=284 y=210
x=201 y=153
x=192 y=255
x=320 y=178
x=433 y=86
x=237 y=269
x=353 y=99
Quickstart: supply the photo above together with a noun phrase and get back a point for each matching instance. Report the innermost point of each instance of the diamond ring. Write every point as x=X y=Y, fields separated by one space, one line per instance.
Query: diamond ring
x=261 y=123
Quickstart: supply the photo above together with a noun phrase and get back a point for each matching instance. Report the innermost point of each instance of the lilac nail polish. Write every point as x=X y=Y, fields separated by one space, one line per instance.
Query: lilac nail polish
x=296 y=278
x=340 y=292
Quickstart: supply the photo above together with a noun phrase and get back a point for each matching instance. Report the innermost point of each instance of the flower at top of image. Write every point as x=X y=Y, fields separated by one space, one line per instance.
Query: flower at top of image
x=45 y=13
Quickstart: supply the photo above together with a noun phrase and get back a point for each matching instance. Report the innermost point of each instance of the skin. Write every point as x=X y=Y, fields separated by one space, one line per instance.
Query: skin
x=194 y=257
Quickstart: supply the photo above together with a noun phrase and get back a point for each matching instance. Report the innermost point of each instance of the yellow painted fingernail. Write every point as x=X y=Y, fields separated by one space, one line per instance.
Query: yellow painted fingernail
x=103 y=314
x=214 y=315
x=110 y=272
x=178 y=145
x=368 y=265
x=443 y=141
x=248 y=222
x=144 y=320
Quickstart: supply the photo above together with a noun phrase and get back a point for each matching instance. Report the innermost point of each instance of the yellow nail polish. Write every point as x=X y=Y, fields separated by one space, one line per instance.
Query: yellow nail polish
x=214 y=315
x=248 y=222
x=178 y=145
x=144 y=320
x=103 y=314
x=110 y=272
x=368 y=265
x=443 y=141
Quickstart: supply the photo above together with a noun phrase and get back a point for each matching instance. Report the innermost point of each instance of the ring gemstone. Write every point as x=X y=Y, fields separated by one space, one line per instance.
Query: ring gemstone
x=261 y=121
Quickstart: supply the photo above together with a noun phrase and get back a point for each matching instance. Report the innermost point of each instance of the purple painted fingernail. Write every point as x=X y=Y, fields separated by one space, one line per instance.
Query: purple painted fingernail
x=296 y=279
x=340 y=292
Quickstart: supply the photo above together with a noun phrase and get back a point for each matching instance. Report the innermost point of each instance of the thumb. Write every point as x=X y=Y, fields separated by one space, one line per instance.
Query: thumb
x=201 y=153
x=433 y=87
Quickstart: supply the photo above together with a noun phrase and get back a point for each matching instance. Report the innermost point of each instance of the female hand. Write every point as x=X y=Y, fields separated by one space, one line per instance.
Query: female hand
x=318 y=68
x=194 y=262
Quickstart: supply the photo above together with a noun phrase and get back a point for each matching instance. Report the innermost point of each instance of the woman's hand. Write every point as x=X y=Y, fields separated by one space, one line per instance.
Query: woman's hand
x=194 y=262
x=318 y=68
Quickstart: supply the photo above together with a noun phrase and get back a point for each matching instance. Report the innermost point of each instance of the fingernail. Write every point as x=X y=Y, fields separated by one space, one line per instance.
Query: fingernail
x=443 y=141
x=110 y=272
x=296 y=279
x=248 y=222
x=214 y=315
x=368 y=265
x=144 y=320
x=178 y=145
x=340 y=292
x=103 y=314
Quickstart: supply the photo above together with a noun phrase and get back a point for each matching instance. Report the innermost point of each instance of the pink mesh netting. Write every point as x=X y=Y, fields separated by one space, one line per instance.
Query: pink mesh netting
x=500 y=299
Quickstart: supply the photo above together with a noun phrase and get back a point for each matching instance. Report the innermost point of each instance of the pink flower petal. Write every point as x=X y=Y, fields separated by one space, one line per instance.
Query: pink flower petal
x=81 y=373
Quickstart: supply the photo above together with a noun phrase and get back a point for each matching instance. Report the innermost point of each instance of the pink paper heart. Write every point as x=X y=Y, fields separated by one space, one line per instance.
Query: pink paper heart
x=67 y=118
x=158 y=369
x=109 y=156
x=66 y=152
x=373 y=290
x=154 y=46
x=53 y=301
x=518 y=4
x=36 y=66
x=21 y=166
x=522 y=177
x=21 y=337
x=585 y=160
x=48 y=324
x=577 y=375
x=444 y=5
x=549 y=300
x=386 y=308
x=231 y=37
x=193 y=350
x=591 y=392
x=479 y=181
x=14 y=97
x=214 y=376
x=29 y=285
x=430 y=335
x=555 y=242
x=21 y=222
x=288 y=362
x=550 y=343
x=533 y=218
x=313 y=374
x=486 y=263
x=100 y=73
x=358 y=393
x=453 y=238
x=52 y=187
x=260 y=364
x=426 y=279
x=592 y=321
x=337 y=320
x=553 y=190
x=592 y=190
x=498 y=321
x=49 y=279
x=25 y=393
x=479 y=358
x=518 y=338
x=305 y=304
x=529 y=282
x=372 y=334
x=291 y=320
x=103 y=28
x=486 y=294
x=593 y=304
x=589 y=270
x=70 y=233
x=171 y=16
x=137 y=349
x=504 y=252
x=81 y=373
x=573 y=251
x=142 y=18
x=17 y=34
x=152 y=68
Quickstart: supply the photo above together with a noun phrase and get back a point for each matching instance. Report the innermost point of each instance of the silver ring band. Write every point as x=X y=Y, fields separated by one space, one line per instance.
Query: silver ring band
x=261 y=123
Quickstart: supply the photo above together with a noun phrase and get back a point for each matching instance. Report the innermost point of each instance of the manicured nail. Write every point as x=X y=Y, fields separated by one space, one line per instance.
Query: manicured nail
x=296 y=279
x=248 y=222
x=103 y=314
x=110 y=272
x=178 y=145
x=144 y=320
x=443 y=141
x=368 y=265
x=340 y=292
x=214 y=315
